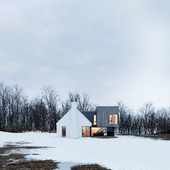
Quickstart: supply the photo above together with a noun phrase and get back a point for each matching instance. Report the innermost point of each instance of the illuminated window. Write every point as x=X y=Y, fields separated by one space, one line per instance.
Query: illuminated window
x=86 y=131
x=63 y=131
x=113 y=119
x=95 y=120
x=97 y=130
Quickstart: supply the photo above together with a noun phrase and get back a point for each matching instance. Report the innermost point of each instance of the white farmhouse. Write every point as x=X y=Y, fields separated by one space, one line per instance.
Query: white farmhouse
x=70 y=125
x=76 y=124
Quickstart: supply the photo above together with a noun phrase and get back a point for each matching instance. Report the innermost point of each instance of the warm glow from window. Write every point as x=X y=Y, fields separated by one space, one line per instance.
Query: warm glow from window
x=95 y=130
x=95 y=120
x=113 y=119
x=86 y=131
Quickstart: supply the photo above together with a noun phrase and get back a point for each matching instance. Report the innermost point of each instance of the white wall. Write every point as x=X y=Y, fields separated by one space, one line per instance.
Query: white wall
x=73 y=120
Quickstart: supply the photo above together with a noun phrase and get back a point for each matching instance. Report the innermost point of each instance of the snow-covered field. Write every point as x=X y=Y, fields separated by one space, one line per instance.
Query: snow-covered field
x=122 y=153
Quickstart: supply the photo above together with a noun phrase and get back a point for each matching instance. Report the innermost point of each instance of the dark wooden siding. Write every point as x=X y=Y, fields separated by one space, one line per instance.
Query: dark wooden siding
x=103 y=113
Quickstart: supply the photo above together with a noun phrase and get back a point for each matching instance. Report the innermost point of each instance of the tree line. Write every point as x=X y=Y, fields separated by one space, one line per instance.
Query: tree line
x=17 y=113
x=147 y=121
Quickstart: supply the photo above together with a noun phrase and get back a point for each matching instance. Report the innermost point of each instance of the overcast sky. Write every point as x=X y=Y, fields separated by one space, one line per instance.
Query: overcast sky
x=113 y=50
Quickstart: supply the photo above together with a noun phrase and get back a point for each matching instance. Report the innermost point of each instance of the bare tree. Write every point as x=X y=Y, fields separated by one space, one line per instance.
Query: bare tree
x=82 y=101
x=52 y=100
x=42 y=113
x=146 y=112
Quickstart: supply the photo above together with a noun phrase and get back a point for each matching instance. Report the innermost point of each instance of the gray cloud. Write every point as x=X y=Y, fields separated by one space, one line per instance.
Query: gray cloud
x=113 y=50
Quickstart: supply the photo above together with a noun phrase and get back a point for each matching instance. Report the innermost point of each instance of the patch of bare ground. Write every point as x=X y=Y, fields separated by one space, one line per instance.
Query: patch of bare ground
x=32 y=165
x=18 y=161
x=88 y=167
x=153 y=136
x=12 y=161
x=157 y=136
x=104 y=137
x=22 y=131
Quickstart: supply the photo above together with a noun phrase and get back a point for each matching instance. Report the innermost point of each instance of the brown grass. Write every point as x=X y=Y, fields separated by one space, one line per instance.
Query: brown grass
x=104 y=137
x=18 y=161
x=153 y=136
x=88 y=167
x=32 y=165
x=22 y=131
x=157 y=136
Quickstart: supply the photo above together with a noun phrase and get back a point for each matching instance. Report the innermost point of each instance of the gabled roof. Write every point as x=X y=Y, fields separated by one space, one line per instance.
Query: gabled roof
x=89 y=115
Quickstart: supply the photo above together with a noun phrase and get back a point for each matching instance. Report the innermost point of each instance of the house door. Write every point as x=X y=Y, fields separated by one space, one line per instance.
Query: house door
x=63 y=131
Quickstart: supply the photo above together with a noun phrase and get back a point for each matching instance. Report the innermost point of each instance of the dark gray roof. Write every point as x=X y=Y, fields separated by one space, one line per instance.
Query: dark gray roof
x=89 y=115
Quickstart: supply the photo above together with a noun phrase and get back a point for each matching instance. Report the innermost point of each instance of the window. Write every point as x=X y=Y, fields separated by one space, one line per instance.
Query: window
x=86 y=131
x=95 y=120
x=97 y=131
x=63 y=131
x=113 y=119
